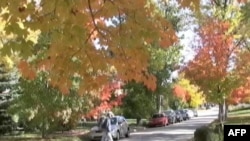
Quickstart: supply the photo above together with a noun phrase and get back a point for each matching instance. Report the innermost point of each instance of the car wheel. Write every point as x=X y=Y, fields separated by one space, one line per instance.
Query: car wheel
x=127 y=134
x=117 y=136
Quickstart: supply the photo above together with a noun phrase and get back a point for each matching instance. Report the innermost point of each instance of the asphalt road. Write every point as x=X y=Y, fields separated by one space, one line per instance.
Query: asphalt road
x=176 y=132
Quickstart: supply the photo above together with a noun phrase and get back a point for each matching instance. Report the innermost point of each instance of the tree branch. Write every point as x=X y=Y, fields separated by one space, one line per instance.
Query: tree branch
x=93 y=19
x=225 y=4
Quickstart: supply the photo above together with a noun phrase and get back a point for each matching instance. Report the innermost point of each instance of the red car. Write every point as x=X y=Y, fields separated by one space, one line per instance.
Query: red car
x=159 y=119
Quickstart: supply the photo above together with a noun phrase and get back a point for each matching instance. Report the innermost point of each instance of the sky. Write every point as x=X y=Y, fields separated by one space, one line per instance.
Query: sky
x=187 y=37
x=187 y=52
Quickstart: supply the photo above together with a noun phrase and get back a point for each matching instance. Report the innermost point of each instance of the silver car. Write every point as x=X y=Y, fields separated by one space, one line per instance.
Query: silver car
x=119 y=126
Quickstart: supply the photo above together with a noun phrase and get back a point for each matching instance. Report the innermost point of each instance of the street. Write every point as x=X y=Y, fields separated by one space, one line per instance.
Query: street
x=176 y=132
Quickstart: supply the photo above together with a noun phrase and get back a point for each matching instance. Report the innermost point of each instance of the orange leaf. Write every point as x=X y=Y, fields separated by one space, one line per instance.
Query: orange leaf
x=26 y=70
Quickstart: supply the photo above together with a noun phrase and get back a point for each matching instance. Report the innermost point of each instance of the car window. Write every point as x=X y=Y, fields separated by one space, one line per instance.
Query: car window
x=113 y=120
x=181 y=111
x=121 y=119
x=157 y=116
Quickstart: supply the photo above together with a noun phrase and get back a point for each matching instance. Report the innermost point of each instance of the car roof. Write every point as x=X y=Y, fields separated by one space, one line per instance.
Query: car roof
x=119 y=117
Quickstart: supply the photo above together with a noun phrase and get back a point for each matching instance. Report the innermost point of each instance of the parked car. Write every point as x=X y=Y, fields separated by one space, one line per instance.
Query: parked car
x=158 y=119
x=179 y=116
x=119 y=126
x=171 y=116
x=190 y=113
x=184 y=114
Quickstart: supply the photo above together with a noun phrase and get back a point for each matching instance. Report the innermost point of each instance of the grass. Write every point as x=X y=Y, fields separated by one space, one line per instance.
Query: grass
x=36 y=137
x=79 y=133
x=239 y=116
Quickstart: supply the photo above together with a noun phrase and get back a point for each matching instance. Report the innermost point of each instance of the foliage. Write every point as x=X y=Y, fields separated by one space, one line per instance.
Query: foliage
x=138 y=99
x=96 y=34
x=44 y=108
x=162 y=63
x=109 y=97
x=208 y=133
x=8 y=81
x=188 y=93
x=213 y=59
x=176 y=103
x=240 y=94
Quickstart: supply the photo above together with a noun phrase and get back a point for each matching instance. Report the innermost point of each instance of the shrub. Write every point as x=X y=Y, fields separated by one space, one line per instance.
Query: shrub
x=209 y=133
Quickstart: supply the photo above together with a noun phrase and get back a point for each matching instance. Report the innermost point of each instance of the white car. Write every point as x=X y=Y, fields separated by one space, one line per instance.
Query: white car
x=119 y=126
x=190 y=113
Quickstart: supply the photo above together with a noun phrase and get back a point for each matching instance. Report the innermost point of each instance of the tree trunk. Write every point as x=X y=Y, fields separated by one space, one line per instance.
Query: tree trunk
x=43 y=128
x=157 y=102
x=138 y=120
x=226 y=112
x=221 y=113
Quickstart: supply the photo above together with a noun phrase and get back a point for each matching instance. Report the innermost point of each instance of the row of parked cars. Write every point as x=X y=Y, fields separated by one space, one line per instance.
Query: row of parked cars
x=120 y=126
x=171 y=116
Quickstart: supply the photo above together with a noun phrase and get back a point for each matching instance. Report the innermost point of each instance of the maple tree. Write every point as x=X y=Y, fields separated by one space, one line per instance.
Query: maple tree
x=75 y=25
x=213 y=66
x=110 y=96
x=119 y=29
x=180 y=92
x=188 y=93
x=241 y=94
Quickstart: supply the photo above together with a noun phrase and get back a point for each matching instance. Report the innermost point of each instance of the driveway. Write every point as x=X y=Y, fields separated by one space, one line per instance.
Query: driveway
x=176 y=132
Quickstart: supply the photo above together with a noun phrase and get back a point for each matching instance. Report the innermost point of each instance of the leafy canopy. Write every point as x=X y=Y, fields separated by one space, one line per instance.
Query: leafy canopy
x=87 y=37
x=189 y=93
x=213 y=67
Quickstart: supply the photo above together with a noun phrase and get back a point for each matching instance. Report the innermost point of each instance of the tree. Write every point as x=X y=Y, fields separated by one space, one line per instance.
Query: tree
x=188 y=93
x=75 y=25
x=109 y=97
x=241 y=94
x=43 y=107
x=211 y=68
x=138 y=99
x=8 y=81
x=119 y=29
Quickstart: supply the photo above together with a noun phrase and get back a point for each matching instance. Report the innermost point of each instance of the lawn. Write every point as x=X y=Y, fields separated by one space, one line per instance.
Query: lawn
x=240 y=116
x=78 y=134
x=74 y=135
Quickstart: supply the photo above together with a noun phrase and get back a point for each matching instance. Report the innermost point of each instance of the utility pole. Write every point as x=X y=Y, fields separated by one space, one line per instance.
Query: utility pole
x=160 y=103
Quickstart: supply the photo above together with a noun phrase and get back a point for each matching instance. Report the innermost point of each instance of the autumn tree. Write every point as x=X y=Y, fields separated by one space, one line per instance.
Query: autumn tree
x=78 y=27
x=85 y=38
x=108 y=97
x=188 y=93
x=241 y=94
x=95 y=34
x=212 y=68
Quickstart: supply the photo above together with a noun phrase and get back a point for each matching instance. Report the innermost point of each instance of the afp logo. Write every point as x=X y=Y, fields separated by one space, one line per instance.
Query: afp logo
x=241 y=132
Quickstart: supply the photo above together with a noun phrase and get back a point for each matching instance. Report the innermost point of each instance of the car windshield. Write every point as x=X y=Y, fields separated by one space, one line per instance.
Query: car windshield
x=168 y=112
x=181 y=111
x=157 y=116
x=113 y=120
